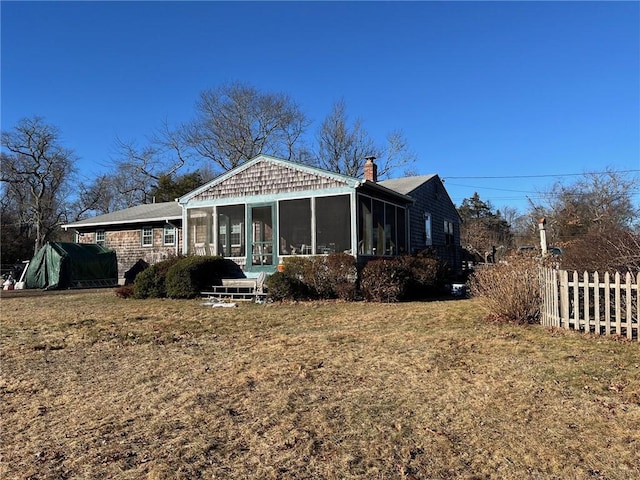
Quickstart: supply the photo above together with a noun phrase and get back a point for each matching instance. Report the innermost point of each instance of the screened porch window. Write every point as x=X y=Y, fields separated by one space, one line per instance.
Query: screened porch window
x=381 y=227
x=200 y=230
x=333 y=224
x=295 y=227
x=365 y=226
x=231 y=241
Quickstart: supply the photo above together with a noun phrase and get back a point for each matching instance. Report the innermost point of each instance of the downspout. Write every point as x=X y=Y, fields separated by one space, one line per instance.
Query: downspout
x=176 y=242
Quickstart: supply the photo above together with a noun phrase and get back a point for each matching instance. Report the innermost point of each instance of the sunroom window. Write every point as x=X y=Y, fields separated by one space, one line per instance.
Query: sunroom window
x=333 y=224
x=231 y=232
x=295 y=227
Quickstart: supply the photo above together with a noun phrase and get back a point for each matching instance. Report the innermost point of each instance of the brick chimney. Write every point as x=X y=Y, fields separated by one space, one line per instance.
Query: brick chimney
x=370 y=169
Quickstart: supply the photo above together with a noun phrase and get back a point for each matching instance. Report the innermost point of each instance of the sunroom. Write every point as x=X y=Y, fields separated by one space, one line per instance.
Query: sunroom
x=268 y=209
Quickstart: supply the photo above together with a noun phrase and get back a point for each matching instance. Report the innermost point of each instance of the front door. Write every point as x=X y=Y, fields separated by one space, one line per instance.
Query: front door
x=262 y=255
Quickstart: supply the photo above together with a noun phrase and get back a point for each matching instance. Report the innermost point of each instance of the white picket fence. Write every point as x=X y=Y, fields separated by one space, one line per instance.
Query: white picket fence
x=591 y=303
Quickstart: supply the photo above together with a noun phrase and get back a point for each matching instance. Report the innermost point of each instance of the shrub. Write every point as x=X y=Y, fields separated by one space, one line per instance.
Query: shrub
x=325 y=277
x=385 y=280
x=341 y=275
x=511 y=290
x=150 y=283
x=427 y=275
x=282 y=286
x=612 y=249
x=188 y=277
x=124 y=291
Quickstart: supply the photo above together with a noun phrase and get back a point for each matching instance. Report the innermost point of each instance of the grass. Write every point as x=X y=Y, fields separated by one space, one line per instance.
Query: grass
x=93 y=386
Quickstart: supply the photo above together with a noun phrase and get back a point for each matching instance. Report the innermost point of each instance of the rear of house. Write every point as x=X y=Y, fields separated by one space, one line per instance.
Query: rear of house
x=268 y=208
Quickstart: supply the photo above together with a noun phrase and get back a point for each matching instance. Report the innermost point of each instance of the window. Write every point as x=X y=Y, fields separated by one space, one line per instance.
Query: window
x=402 y=230
x=382 y=228
x=295 y=226
x=390 y=246
x=101 y=237
x=333 y=224
x=169 y=235
x=147 y=236
x=365 y=226
x=448 y=233
x=231 y=240
x=428 y=239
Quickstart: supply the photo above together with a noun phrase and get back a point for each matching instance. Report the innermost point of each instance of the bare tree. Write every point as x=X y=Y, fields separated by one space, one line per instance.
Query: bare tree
x=595 y=202
x=139 y=168
x=236 y=122
x=342 y=147
x=97 y=196
x=37 y=172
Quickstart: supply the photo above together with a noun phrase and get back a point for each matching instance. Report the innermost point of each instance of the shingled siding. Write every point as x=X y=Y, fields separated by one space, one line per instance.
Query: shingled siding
x=431 y=198
x=267 y=178
x=128 y=247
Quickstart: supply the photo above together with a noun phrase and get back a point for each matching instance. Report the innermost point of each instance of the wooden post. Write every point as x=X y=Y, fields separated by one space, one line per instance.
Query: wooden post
x=543 y=235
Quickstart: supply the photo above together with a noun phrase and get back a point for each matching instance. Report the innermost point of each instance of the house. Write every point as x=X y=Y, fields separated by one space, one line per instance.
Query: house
x=269 y=208
x=150 y=232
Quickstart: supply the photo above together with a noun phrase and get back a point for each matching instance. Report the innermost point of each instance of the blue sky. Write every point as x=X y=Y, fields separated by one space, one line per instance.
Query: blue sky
x=480 y=89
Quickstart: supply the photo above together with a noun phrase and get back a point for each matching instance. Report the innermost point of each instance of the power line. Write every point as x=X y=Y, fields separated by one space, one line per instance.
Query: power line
x=497 y=177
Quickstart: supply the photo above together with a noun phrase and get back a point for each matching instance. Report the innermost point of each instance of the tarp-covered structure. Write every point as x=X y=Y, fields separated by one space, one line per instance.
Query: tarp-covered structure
x=60 y=265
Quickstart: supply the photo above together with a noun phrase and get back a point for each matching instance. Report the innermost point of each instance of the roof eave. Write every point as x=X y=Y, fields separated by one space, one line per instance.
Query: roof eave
x=382 y=188
x=122 y=222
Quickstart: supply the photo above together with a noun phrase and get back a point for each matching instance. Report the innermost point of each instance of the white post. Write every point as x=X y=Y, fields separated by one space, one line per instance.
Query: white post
x=543 y=235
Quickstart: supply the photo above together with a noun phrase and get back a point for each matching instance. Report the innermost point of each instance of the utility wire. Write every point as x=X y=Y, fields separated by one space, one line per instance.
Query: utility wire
x=539 y=176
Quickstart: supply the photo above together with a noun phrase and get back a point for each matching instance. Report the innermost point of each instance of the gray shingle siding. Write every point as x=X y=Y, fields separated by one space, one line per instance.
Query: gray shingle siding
x=431 y=197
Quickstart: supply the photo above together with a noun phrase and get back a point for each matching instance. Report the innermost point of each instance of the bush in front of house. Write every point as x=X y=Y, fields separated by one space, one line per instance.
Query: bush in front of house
x=341 y=276
x=191 y=275
x=150 y=283
x=322 y=277
x=427 y=275
x=385 y=280
x=282 y=286
x=510 y=290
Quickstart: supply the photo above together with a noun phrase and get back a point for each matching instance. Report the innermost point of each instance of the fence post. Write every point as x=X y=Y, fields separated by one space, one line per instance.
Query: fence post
x=564 y=298
x=607 y=302
x=576 y=301
x=556 y=299
x=617 y=306
x=585 y=291
x=629 y=314
x=596 y=301
x=638 y=307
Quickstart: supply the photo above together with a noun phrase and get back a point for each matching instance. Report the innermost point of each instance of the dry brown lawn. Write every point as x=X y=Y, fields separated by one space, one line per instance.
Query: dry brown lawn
x=94 y=387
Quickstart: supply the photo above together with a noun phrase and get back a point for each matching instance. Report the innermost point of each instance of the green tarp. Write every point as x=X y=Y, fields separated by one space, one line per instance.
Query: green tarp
x=60 y=265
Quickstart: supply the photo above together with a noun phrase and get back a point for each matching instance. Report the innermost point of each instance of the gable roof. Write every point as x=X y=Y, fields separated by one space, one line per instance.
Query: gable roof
x=266 y=175
x=151 y=212
x=406 y=185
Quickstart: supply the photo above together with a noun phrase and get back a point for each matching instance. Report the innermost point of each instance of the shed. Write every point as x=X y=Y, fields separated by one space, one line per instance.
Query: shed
x=60 y=265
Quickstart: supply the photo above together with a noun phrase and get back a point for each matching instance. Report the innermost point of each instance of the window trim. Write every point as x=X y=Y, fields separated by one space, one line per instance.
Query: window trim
x=143 y=237
x=165 y=229
x=428 y=229
x=449 y=233
x=103 y=240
